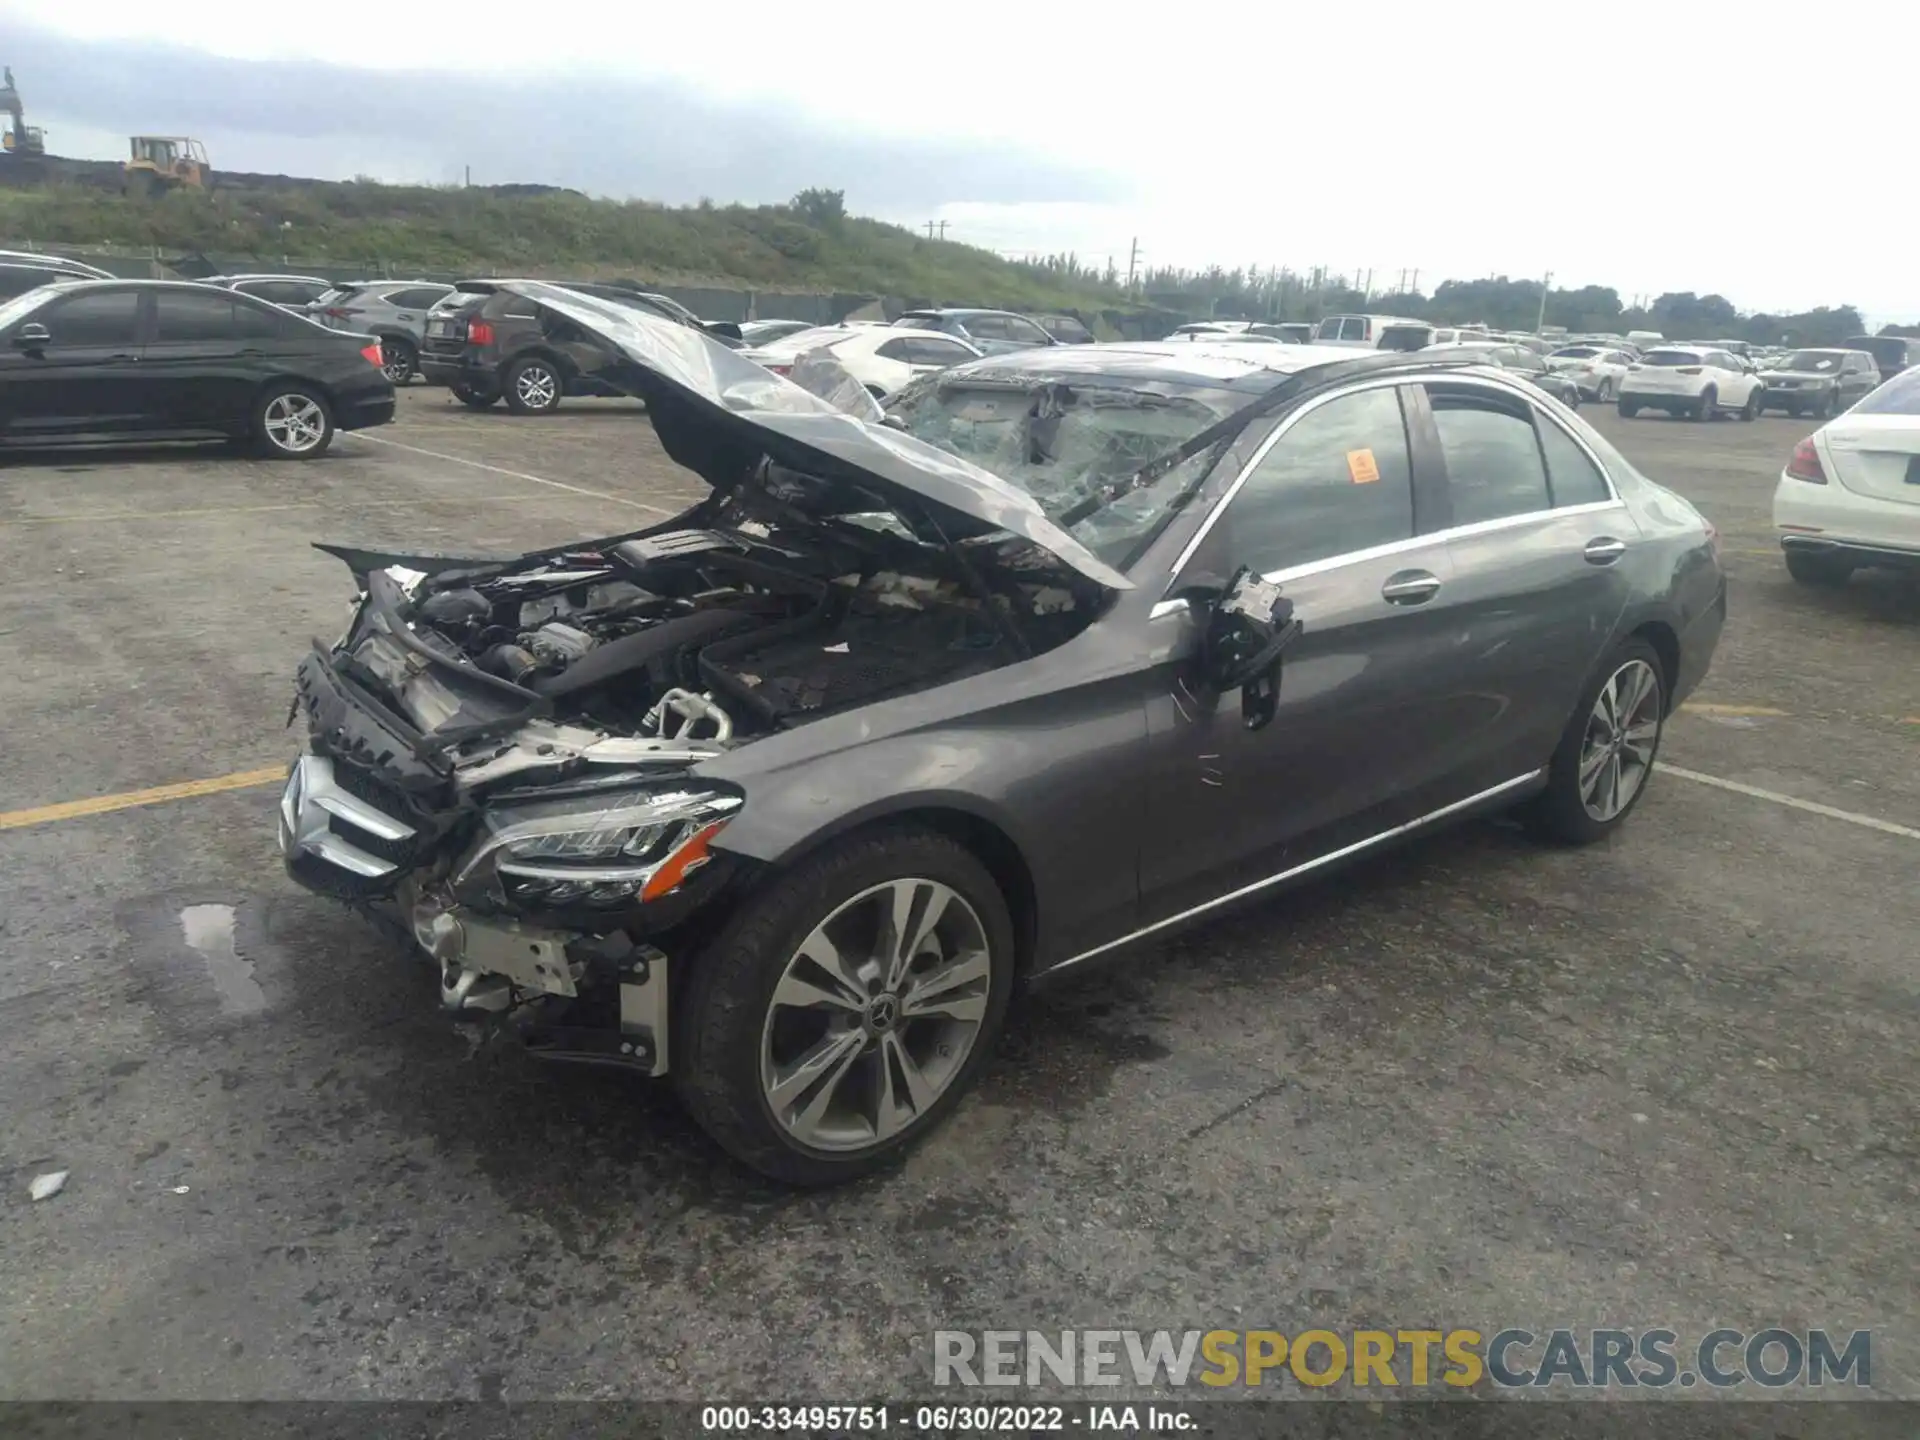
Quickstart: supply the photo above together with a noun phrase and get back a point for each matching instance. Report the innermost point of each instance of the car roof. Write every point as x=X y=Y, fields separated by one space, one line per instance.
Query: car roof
x=961 y=311
x=1244 y=368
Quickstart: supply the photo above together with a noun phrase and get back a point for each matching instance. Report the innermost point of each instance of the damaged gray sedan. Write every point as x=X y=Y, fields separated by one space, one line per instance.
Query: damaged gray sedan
x=788 y=796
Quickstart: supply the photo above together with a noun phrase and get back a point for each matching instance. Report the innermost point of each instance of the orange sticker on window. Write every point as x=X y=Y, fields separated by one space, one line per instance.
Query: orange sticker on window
x=1362 y=467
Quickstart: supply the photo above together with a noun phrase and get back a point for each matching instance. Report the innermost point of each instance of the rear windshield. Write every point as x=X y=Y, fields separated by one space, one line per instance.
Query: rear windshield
x=1061 y=443
x=1405 y=337
x=920 y=320
x=1821 y=361
x=1670 y=358
x=1576 y=352
x=1899 y=396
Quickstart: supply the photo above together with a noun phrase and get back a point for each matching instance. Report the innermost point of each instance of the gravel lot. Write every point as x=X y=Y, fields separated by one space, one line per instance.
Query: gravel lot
x=1672 y=1080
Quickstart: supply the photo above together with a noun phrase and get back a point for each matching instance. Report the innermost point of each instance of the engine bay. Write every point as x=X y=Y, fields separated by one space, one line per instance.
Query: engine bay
x=726 y=624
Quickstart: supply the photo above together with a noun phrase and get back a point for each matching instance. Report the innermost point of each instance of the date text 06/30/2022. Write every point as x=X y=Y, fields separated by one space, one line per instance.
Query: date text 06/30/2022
x=941 y=1419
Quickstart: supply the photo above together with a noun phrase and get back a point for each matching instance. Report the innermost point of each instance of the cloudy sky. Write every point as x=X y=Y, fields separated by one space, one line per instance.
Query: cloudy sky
x=1649 y=147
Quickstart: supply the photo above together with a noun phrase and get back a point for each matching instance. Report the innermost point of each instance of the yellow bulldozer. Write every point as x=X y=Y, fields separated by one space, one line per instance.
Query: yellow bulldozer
x=160 y=163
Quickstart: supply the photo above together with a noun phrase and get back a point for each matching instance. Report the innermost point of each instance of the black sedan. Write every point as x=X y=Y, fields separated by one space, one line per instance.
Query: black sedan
x=788 y=796
x=136 y=360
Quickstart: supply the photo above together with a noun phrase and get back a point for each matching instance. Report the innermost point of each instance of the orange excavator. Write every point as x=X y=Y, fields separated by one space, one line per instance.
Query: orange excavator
x=19 y=138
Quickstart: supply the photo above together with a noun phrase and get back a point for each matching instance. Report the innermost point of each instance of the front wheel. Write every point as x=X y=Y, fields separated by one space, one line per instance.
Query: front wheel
x=1628 y=409
x=1751 y=410
x=292 y=422
x=475 y=398
x=1832 y=406
x=1606 y=754
x=846 y=1008
x=532 y=386
x=1605 y=395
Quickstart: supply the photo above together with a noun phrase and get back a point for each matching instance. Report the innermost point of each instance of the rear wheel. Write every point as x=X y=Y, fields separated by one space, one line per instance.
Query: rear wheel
x=846 y=1007
x=398 y=359
x=1606 y=754
x=1605 y=395
x=532 y=386
x=292 y=422
x=1829 y=571
x=1707 y=407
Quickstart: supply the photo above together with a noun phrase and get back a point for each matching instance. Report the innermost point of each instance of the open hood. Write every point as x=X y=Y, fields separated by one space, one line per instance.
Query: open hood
x=716 y=413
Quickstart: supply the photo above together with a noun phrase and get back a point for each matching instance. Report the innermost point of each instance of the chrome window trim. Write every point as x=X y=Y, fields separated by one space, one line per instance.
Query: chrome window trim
x=1489 y=379
x=1303 y=868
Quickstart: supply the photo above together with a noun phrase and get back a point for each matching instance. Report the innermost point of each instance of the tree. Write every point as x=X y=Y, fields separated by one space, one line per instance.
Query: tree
x=822 y=209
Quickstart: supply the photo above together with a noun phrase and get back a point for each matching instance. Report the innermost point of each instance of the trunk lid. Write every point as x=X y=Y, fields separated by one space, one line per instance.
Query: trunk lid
x=716 y=411
x=1877 y=456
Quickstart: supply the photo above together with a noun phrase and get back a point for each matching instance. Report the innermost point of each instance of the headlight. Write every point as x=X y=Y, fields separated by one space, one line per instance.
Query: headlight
x=604 y=850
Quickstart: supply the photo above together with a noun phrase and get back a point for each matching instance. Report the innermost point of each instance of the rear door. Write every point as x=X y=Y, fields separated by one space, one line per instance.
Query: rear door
x=1535 y=540
x=195 y=372
x=86 y=379
x=990 y=335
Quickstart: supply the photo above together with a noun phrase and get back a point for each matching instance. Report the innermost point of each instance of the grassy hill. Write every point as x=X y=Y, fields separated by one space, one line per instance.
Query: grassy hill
x=811 y=245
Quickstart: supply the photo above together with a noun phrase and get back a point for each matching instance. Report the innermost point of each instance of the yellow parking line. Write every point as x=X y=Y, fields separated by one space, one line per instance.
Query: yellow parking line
x=128 y=799
x=1696 y=707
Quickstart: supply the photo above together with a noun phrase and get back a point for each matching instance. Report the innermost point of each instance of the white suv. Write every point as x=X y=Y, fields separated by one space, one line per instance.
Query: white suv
x=1595 y=369
x=1691 y=380
x=1850 y=496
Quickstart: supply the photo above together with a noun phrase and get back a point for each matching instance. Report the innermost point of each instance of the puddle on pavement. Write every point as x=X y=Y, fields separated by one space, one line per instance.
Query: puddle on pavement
x=209 y=930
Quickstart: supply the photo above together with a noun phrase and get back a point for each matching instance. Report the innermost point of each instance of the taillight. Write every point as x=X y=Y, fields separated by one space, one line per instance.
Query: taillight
x=479 y=332
x=371 y=354
x=1805 y=464
x=338 y=312
x=1687 y=370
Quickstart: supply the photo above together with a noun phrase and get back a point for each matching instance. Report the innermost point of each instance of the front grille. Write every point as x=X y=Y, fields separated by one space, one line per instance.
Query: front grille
x=344 y=832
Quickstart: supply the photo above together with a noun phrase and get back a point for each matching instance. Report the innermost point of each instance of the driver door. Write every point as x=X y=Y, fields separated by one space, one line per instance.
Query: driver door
x=1333 y=509
x=85 y=380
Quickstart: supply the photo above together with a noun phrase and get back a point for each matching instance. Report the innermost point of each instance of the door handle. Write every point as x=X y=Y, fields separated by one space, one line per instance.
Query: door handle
x=1604 y=550
x=1410 y=587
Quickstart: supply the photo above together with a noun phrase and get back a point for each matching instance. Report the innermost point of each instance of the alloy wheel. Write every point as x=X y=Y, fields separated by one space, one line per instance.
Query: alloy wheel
x=1623 y=731
x=397 y=365
x=537 y=387
x=294 y=423
x=875 y=1015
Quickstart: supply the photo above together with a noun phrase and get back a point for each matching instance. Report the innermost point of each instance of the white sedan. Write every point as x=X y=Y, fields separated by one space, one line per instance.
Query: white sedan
x=1595 y=369
x=880 y=357
x=1691 y=380
x=1850 y=496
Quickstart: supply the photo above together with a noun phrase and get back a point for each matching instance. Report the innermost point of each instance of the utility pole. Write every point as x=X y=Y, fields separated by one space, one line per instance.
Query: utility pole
x=943 y=230
x=1133 y=262
x=1545 y=285
x=1416 y=281
x=929 y=229
x=469 y=177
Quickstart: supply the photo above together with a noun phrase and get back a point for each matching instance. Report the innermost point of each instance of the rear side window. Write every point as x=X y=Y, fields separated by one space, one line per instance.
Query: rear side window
x=420 y=297
x=18 y=279
x=1494 y=468
x=926 y=351
x=184 y=317
x=1572 y=476
x=256 y=321
x=1338 y=481
x=1899 y=396
x=896 y=350
x=987 y=327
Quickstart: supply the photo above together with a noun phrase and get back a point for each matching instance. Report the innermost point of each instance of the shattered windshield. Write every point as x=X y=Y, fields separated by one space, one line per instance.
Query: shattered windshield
x=1062 y=442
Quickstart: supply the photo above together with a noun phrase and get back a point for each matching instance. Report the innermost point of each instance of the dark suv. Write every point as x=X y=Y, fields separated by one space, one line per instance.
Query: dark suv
x=1892 y=353
x=485 y=343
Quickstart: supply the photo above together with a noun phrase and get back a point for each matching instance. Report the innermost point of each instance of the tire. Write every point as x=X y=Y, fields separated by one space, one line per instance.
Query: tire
x=1831 y=406
x=1564 y=812
x=1628 y=409
x=532 y=386
x=1829 y=572
x=736 y=1043
x=1605 y=393
x=1751 y=410
x=475 y=399
x=292 y=422
x=398 y=359
x=1707 y=407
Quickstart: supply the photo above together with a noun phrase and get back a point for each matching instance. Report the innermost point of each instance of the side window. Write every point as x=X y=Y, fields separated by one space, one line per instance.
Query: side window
x=900 y=350
x=1338 y=481
x=189 y=316
x=1571 y=474
x=940 y=352
x=254 y=321
x=1493 y=460
x=986 y=327
x=420 y=297
x=1024 y=331
x=103 y=317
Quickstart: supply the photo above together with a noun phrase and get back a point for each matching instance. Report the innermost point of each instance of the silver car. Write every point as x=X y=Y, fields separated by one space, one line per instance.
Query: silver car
x=394 y=310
